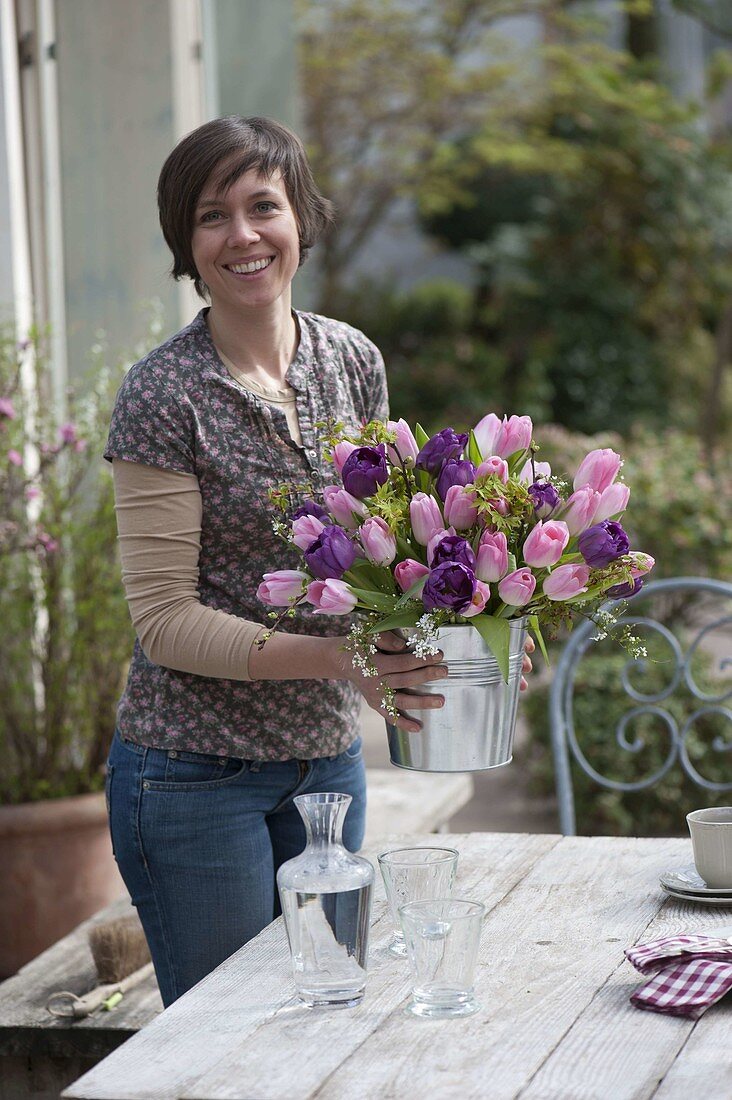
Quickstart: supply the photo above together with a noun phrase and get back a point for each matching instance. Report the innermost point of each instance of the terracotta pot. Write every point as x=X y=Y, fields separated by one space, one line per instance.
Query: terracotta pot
x=57 y=868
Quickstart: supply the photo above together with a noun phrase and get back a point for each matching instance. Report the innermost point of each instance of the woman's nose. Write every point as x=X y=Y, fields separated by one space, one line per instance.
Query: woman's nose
x=242 y=231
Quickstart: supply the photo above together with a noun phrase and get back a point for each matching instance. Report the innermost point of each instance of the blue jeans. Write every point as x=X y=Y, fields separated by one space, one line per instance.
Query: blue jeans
x=198 y=840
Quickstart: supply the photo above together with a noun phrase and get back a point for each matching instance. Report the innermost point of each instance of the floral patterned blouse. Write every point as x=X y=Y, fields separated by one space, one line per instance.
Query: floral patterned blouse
x=180 y=409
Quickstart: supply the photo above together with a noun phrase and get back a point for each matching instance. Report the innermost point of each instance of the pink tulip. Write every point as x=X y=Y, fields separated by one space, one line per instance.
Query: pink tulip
x=546 y=543
x=408 y=572
x=305 y=530
x=542 y=469
x=280 y=588
x=515 y=435
x=579 y=511
x=15 y=458
x=460 y=510
x=480 y=598
x=426 y=517
x=378 y=541
x=598 y=469
x=642 y=564
x=331 y=597
x=341 y=451
x=566 y=582
x=406 y=444
x=437 y=537
x=344 y=507
x=517 y=588
x=613 y=501
x=492 y=556
x=487 y=432
x=493 y=465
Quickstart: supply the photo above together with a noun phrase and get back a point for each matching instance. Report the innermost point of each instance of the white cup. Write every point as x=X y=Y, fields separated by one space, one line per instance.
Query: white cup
x=711 y=839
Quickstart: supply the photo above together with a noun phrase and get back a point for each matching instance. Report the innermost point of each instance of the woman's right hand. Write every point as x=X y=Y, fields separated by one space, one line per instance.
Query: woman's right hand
x=403 y=672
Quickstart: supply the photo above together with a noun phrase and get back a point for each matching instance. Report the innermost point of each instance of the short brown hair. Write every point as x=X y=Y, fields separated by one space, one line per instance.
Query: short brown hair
x=265 y=145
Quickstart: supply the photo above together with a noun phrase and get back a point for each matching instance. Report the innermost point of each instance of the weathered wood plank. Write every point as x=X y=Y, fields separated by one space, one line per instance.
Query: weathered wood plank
x=27 y=1028
x=545 y=951
x=224 y=1015
x=592 y=1058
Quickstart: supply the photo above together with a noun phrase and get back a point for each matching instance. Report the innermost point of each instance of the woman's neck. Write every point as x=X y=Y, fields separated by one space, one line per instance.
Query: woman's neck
x=261 y=344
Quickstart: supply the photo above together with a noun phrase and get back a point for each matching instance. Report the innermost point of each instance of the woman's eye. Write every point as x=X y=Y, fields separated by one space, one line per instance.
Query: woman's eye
x=212 y=215
x=270 y=204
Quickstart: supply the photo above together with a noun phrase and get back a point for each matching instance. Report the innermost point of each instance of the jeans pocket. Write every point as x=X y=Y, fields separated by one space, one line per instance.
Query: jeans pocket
x=354 y=750
x=175 y=770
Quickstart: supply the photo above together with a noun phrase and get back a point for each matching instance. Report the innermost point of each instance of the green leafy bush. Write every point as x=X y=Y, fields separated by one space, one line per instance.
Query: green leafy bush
x=65 y=633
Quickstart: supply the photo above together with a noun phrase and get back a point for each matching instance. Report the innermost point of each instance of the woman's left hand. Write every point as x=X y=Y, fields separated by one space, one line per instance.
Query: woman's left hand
x=529 y=647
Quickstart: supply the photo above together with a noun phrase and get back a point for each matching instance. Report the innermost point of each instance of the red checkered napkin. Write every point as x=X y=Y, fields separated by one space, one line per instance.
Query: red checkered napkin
x=690 y=973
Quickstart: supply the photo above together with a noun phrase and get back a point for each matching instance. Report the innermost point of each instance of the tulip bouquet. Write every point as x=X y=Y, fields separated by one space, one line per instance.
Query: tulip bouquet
x=421 y=532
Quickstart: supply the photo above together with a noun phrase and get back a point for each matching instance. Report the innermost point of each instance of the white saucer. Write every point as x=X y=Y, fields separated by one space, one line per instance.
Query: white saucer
x=699 y=899
x=687 y=880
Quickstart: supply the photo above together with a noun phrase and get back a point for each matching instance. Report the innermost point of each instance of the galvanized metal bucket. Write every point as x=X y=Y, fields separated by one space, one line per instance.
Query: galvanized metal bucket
x=474 y=730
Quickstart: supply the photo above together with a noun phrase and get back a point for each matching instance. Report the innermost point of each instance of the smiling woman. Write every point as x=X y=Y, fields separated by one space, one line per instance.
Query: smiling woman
x=216 y=737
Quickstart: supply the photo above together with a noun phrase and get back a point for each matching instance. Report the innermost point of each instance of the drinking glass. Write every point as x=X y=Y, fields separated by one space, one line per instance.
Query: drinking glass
x=415 y=874
x=442 y=937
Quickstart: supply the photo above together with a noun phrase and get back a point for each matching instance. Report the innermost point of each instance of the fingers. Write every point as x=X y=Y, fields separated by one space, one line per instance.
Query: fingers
x=523 y=685
x=526 y=664
x=529 y=644
x=394 y=664
x=390 y=641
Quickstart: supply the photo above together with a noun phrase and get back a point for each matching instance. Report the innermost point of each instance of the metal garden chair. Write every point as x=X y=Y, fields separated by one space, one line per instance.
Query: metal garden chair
x=694 y=626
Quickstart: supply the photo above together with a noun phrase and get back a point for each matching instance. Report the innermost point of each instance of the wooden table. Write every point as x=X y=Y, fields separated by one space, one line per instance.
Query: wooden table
x=553 y=983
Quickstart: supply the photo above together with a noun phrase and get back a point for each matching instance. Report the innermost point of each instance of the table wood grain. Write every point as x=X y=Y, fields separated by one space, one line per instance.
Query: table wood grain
x=553 y=983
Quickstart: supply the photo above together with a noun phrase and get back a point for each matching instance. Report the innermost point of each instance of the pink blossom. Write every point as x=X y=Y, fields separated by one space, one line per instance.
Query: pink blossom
x=598 y=469
x=406 y=444
x=480 y=599
x=32 y=492
x=50 y=545
x=80 y=445
x=345 y=508
x=613 y=501
x=493 y=465
x=426 y=517
x=545 y=543
x=378 y=541
x=492 y=556
x=7 y=408
x=305 y=530
x=579 y=511
x=517 y=588
x=341 y=451
x=408 y=572
x=503 y=437
x=67 y=433
x=566 y=582
x=15 y=458
x=280 y=588
x=331 y=597
x=460 y=509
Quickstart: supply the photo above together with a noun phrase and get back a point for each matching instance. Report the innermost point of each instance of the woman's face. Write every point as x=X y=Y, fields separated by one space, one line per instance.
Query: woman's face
x=252 y=222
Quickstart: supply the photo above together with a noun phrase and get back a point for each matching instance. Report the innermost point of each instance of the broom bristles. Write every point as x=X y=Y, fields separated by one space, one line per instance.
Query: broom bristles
x=118 y=947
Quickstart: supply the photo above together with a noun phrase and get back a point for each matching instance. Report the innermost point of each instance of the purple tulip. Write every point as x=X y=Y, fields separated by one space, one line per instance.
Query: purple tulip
x=545 y=498
x=453 y=548
x=625 y=591
x=455 y=472
x=451 y=586
x=331 y=554
x=365 y=470
x=603 y=543
x=311 y=508
x=437 y=450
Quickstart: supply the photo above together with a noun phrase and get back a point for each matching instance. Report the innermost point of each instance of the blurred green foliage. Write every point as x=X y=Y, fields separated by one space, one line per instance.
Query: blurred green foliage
x=65 y=632
x=599 y=704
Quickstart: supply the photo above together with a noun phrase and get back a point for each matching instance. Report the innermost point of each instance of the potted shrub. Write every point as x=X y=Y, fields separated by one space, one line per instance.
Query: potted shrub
x=65 y=636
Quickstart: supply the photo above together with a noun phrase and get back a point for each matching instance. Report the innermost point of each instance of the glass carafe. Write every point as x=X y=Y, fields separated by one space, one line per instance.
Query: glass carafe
x=326 y=902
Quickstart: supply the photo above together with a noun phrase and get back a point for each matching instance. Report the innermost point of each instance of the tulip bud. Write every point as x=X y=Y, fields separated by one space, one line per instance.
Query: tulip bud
x=598 y=469
x=331 y=597
x=480 y=599
x=545 y=544
x=305 y=530
x=341 y=451
x=493 y=465
x=344 y=507
x=517 y=588
x=408 y=572
x=566 y=582
x=378 y=541
x=579 y=511
x=613 y=501
x=492 y=558
x=460 y=510
x=282 y=587
x=426 y=517
x=405 y=446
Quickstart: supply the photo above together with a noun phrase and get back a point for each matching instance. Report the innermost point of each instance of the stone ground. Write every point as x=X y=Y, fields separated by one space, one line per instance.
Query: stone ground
x=501 y=803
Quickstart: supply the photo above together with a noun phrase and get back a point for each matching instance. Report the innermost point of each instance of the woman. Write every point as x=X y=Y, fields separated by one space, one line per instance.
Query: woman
x=216 y=736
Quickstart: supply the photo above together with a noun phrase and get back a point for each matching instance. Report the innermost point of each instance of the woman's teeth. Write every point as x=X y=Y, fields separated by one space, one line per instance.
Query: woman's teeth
x=248 y=269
